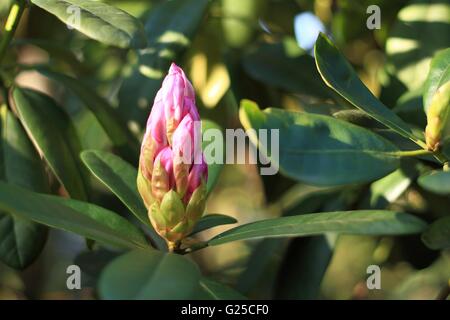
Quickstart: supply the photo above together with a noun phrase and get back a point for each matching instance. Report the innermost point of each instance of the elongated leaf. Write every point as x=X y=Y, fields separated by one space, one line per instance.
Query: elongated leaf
x=320 y=150
x=438 y=75
x=437 y=182
x=149 y=275
x=214 y=168
x=286 y=66
x=421 y=29
x=83 y=218
x=98 y=21
x=120 y=177
x=169 y=28
x=339 y=75
x=54 y=135
x=116 y=129
x=212 y=220
x=364 y=222
x=212 y=290
x=21 y=240
x=437 y=235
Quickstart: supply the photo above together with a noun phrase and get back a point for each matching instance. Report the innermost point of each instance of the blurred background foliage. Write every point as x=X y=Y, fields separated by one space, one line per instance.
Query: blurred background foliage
x=234 y=49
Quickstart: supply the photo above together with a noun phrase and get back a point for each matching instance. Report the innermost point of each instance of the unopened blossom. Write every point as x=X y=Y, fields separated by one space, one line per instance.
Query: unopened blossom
x=437 y=131
x=172 y=169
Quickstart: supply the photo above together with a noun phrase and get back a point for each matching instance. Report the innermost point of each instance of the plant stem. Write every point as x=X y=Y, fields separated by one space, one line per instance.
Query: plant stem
x=12 y=22
x=413 y=153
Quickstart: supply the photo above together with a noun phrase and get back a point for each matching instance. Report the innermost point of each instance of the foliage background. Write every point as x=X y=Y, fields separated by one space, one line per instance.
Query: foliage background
x=243 y=49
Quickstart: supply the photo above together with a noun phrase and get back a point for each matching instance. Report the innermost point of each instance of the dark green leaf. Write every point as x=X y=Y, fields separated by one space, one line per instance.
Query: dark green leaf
x=321 y=150
x=437 y=235
x=120 y=177
x=437 y=182
x=83 y=218
x=364 y=222
x=169 y=28
x=212 y=220
x=21 y=240
x=149 y=275
x=338 y=74
x=438 y=75
x=115 y=128
x=56 y=51
x=53 y=133
x=98 y=21
x=285 y=65
x=212 y=290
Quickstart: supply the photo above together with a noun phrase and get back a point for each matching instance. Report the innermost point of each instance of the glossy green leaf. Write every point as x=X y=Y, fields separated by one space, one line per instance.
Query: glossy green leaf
x=212 y=290
x=438 y=75
x=98 y=21
x=54 y=135
x=339 y=75
x=170 y=27
x=285 y=65
x=437 y=235
x=114 y=126
x=21 y=240
x=120 y=177
x=364 y=222
x=150 y=274
x=437 y=182
x=79 y=217
x=212 y=220
x=421 y=29
x=321 y=150
x=214 y=169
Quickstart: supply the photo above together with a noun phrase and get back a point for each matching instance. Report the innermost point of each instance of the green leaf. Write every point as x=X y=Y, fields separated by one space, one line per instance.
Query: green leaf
x=21 y=240
x=388 y=189
x=285 y=65
x=149 y=275
x=170 y=27
x=321 y=150
x=339 y=75
x=79 y=217
x=120 y=177
x=259 y=277
x=437 y=235
x=421 y=29
x=113 y=125
x=54 y=135
x=362 y=222
x=438 y=75
x=303 y=268
x=212 y=220
x=212 y=290
x=437 y=182
x=214 y=169
x=98 y=21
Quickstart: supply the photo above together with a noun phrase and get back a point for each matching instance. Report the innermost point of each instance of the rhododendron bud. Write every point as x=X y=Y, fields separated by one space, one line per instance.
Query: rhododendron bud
x=438 y=118
x=172 y=169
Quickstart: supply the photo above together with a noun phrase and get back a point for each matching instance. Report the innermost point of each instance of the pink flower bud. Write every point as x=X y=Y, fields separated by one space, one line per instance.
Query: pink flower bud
x=172 y=166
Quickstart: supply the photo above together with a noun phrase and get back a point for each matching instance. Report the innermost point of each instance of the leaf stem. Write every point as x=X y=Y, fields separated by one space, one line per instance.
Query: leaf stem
x=413 y=153
x=15 y=13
